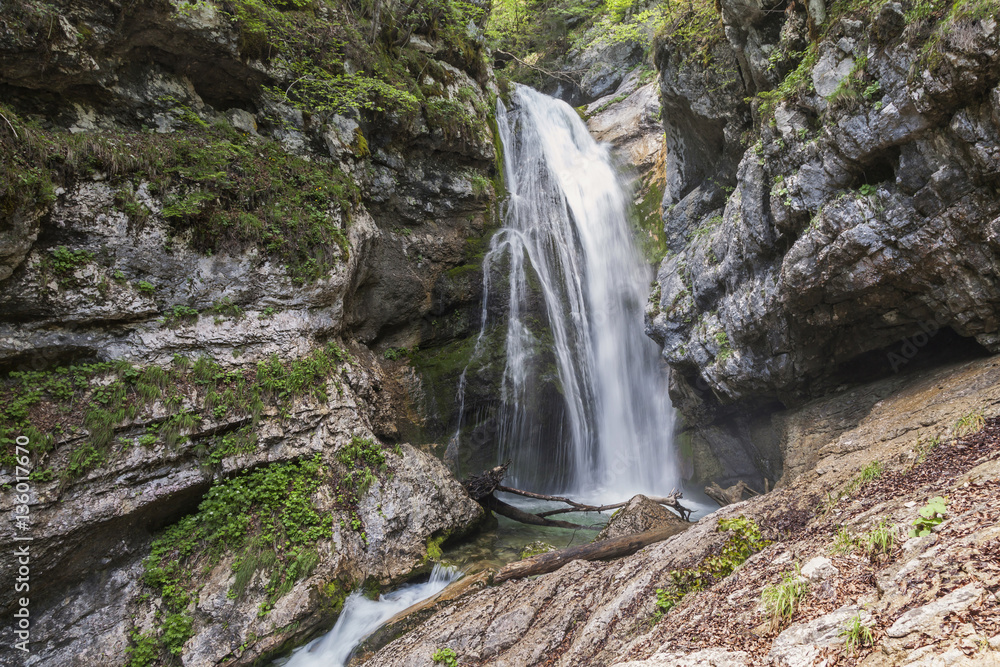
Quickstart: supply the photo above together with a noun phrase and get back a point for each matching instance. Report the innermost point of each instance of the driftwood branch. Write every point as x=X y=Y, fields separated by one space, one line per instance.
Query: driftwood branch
x=484 y=484
x=613 y=548
x=730 y=496
x=671 y=500
x=503 y=509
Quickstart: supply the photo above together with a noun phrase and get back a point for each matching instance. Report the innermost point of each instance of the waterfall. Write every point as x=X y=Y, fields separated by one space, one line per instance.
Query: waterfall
x=361 y=617
x=584 y=404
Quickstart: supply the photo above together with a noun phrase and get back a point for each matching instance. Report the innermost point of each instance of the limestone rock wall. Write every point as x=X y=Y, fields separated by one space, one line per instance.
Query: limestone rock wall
x=220 y=273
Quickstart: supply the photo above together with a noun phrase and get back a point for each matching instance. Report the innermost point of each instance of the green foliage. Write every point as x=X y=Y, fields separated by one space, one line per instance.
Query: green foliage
x=745 y=541
x=880 y=540
x=227 y=308
x=797 y=82
x=931 y=515
x=856 y=635
x=868 y=474
x=180 y=315
x=65 y=261
x=969 y=423
x=144 y=651
x=867 y=189
x=103 y=398
x=126 y=201
x=924 y=448
x=382 y=75
x=231 y=191
x=844 y=543
x=362 y=457
x=706 y=228
x=725 y=351
x=480 y=185
x=446 y=657
x=145 y=287
x=177 y=629
x=647 y=221
x=269 y=510
x=397 y=353
x=696 y=27
x=782 y=599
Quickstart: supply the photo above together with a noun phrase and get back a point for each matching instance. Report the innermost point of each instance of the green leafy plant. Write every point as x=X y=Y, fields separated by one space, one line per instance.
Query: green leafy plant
x=177 y=629
x=856 y=634
x=744 y=541
x=65 y=261
x=396 y=353
x=781 y=600
x=178 y=315
x=267 y=517
x=931 y=515
x=144 y=651
x=445 y=656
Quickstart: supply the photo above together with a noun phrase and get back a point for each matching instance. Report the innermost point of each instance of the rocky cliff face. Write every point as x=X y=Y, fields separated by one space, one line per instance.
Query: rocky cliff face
x=210 y=216
x=831 y=202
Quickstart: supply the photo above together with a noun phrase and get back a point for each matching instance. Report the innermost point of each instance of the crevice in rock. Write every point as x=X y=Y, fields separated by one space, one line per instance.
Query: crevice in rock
x=926 y=348
x=881 y=168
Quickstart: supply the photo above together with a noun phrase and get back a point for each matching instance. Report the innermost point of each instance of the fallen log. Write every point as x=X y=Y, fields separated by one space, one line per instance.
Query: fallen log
x=605 y=549
x=491 y=502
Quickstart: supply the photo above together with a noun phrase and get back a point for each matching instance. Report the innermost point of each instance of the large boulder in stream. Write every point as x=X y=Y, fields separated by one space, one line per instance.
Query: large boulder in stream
x=639 y=515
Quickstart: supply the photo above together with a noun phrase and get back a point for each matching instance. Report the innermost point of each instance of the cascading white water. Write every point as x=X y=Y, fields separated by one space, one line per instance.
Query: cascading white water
x=568 y=239
x=361 y=617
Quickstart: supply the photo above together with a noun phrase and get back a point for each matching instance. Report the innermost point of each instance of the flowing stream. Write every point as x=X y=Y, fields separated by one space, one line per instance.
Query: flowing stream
x=575 y=288
x=361 y=617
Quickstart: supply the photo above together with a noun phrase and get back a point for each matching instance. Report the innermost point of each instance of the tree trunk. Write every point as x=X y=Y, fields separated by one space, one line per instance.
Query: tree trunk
x=613 y=548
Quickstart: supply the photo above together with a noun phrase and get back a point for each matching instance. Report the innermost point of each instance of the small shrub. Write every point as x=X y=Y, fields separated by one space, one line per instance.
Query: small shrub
x=446 y=657
x=177 y=629
x=65 y=261
x=745 y=541
x=931 y=515
x=144 y=651
x=396 y=353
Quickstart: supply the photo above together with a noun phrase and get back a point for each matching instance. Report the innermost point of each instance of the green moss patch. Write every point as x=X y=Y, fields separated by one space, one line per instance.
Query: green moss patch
x=94 y=406
x=266 y=517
